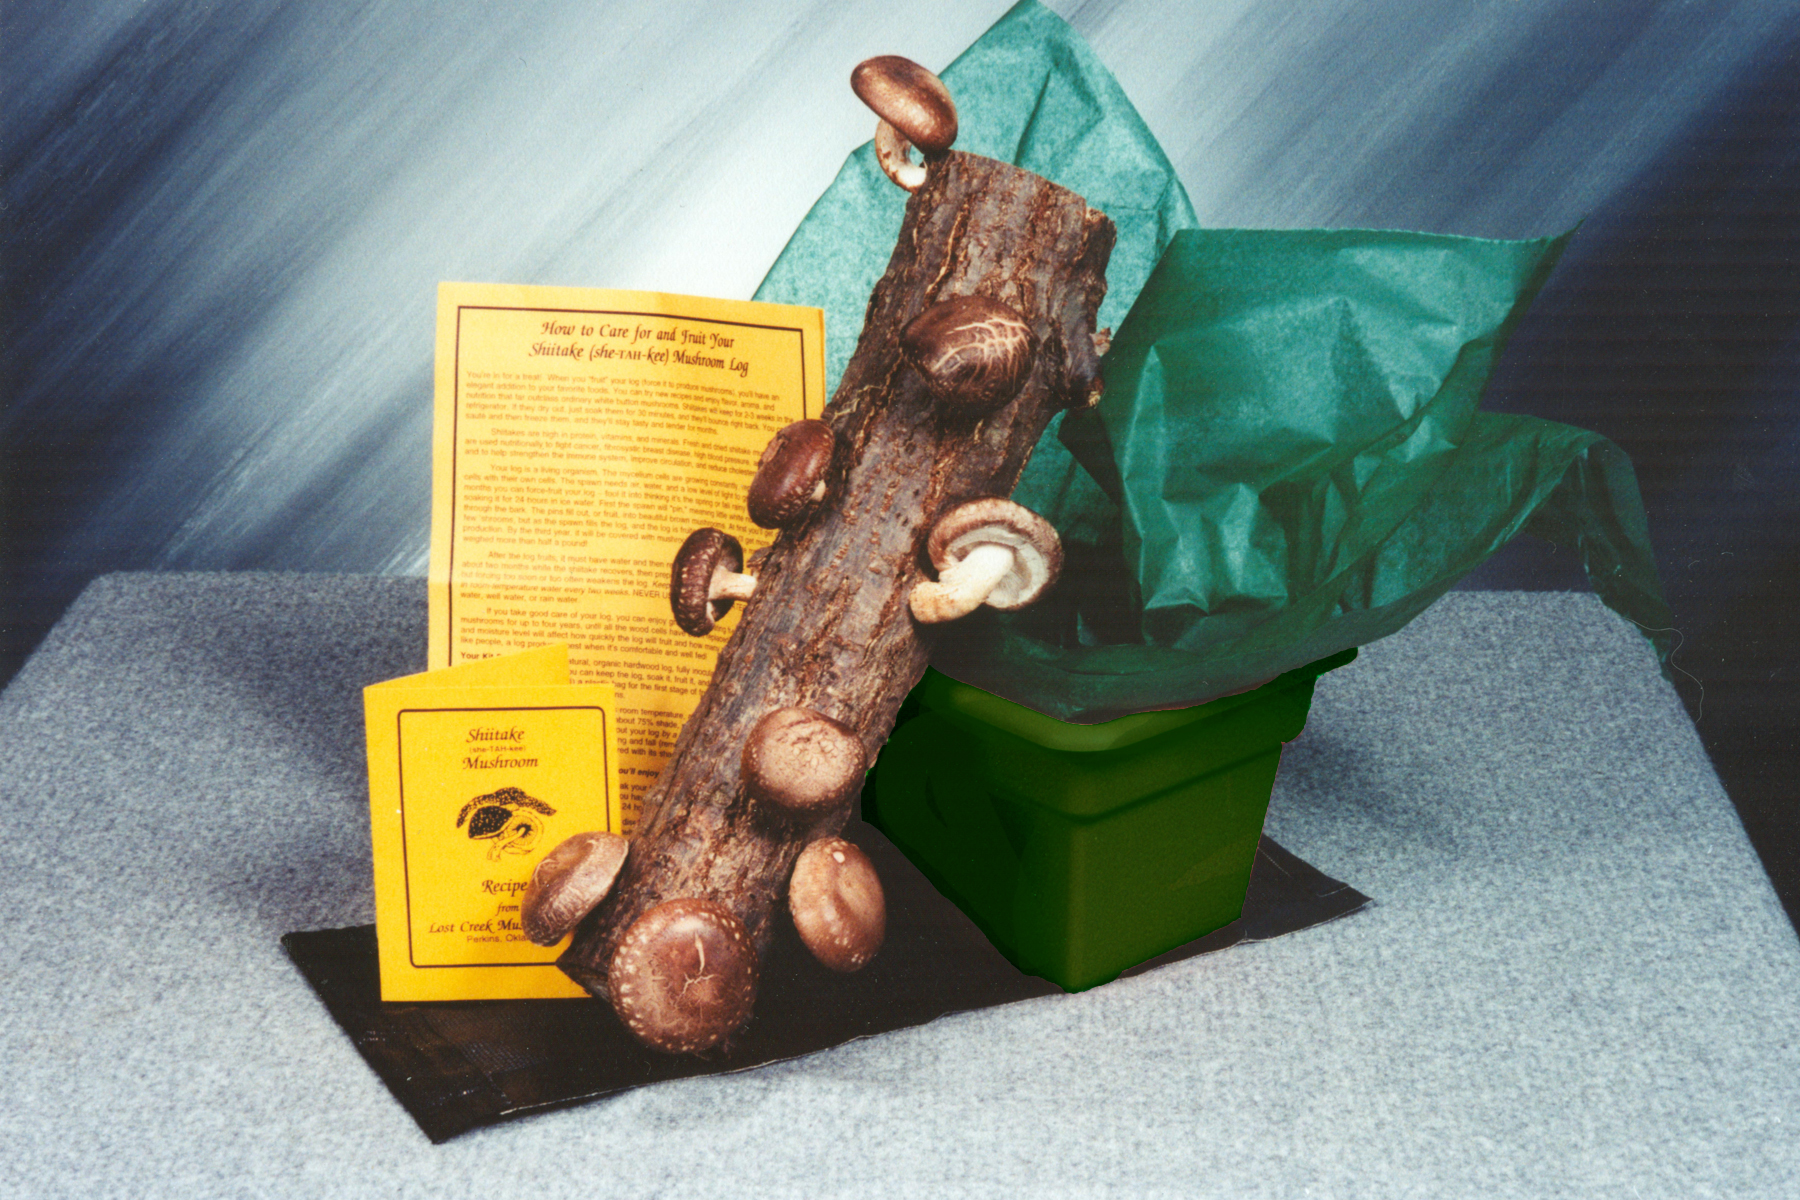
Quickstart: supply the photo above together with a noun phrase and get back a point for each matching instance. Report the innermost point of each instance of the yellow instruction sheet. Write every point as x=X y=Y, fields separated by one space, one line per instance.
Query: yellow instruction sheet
x=579 y=436
x=475 y=773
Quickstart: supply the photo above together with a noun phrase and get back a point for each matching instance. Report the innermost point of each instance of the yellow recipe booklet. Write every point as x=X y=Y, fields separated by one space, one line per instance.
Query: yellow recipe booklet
x=475 y=772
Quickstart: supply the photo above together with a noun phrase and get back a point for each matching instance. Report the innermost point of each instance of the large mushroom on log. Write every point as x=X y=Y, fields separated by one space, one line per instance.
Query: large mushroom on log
x=975 y=353
x=793 y=474
x=568 y=883
x=915 y=109
x=838 y=907
x=989 y=551
x=684 y=977
x=831 y=628
x=803 y=763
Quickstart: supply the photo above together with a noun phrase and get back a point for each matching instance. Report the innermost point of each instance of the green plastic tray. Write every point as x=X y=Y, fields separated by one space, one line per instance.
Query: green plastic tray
x=1083 y=850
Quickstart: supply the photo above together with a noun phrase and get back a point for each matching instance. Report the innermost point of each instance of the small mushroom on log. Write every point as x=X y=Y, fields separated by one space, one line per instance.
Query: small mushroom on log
x=975 y=353
x=988 y=551
x=803 y=762
x=837 y=904
x=568 y=883
x=830 y=629
x=793 y=474
x=915 y=109
x=705 y=581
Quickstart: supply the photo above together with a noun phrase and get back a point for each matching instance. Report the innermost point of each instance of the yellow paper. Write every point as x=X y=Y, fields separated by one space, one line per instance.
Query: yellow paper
x=579 y=436
x=476 y=772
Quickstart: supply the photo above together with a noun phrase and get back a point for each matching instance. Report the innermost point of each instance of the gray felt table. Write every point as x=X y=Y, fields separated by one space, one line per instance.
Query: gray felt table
x=1575 y=980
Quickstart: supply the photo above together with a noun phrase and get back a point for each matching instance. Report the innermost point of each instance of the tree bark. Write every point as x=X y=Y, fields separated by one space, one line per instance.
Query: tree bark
x=829 y=627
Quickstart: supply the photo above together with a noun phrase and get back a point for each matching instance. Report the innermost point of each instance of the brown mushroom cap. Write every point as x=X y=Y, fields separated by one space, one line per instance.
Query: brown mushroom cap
x=791 y=476
x=987 y=551
x=684 y=976
x=837 y=904
x=803 y=762
x=568 y=884
x=975 y=353
x=708 y=560
x=910 y=98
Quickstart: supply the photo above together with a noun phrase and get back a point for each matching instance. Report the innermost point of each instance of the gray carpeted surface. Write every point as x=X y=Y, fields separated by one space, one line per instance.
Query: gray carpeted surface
x=1575 y=982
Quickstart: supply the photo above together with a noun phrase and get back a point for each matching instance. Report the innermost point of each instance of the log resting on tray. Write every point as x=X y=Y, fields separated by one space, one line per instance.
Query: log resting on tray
x=828 y=628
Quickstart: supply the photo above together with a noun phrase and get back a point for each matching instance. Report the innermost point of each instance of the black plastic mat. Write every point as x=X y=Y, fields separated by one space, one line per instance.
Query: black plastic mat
x=456 y=1066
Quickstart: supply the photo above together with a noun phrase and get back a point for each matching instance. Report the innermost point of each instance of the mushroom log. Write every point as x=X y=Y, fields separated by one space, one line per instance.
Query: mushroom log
x=828 y=646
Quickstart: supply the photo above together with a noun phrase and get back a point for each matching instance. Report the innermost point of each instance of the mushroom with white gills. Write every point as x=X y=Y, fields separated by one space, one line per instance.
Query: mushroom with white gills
x=793 y=474
x=974 y=353
x=803 y=762
x=987 y=551
x=683 y=978
x=836 y=901
x=705 y=580
x=569 y=883
x=915 y=110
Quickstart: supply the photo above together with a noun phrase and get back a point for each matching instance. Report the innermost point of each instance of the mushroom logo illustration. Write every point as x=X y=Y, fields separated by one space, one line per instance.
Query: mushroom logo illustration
x=508 y=819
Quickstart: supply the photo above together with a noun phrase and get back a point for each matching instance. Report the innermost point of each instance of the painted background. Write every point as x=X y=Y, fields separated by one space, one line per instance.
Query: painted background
x=225 y=224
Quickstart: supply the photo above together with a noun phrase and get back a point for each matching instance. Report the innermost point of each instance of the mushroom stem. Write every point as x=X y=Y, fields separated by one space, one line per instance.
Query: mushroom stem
x=729 y=585
x=894 y=153
x=962 y=587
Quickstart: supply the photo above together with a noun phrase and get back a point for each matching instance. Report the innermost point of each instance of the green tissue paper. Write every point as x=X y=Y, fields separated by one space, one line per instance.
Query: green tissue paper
x=1288 y=460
